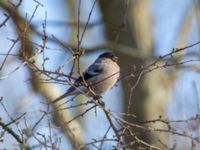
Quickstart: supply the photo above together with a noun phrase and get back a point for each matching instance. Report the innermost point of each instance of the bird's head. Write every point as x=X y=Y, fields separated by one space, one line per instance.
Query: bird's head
x=109 y=55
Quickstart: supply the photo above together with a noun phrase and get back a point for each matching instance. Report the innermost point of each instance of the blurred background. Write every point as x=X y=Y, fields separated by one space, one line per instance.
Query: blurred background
x=138 y=32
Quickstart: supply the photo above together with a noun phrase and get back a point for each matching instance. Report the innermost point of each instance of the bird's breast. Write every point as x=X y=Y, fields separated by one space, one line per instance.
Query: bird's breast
x=106 y=80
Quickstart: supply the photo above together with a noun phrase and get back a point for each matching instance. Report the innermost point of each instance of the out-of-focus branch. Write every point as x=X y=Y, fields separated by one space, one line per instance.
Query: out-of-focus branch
x=73 y=131
x=70 y=23
x=10 y=13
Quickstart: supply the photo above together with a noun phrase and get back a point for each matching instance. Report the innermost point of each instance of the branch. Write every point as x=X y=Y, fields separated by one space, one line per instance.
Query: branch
x=14 y=135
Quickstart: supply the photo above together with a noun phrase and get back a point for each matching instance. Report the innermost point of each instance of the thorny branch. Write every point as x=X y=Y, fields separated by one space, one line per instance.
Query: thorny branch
x=121 y=127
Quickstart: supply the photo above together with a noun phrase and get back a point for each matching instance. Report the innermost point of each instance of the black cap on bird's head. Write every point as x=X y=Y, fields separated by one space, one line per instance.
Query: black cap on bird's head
x=109 y=55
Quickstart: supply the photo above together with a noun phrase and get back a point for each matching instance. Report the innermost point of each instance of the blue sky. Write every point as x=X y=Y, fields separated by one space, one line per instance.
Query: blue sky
x=166 y=30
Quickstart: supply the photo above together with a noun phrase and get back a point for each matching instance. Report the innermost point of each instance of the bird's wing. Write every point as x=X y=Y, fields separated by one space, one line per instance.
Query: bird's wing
x=91 y=72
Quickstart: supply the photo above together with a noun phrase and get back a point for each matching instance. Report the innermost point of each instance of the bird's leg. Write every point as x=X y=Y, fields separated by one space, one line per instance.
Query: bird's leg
x=98 y=99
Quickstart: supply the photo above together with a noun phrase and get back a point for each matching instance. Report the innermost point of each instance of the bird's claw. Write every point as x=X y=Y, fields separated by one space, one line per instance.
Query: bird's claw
x=98 y=99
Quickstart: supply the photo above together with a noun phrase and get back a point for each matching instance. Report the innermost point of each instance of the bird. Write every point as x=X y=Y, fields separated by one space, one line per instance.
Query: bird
x=98 y=78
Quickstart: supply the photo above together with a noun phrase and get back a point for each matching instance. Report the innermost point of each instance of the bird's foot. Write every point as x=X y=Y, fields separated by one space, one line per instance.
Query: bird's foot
x=99 y=101
x=97 y=97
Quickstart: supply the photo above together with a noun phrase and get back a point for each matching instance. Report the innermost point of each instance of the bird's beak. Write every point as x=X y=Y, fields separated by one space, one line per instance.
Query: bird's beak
x=115 y=59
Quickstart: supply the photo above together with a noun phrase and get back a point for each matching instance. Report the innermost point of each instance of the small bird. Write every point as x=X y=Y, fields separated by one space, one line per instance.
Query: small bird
x=97 y=79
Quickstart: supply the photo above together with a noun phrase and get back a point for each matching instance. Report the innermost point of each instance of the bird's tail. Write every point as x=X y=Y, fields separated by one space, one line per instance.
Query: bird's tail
x=60 y=97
